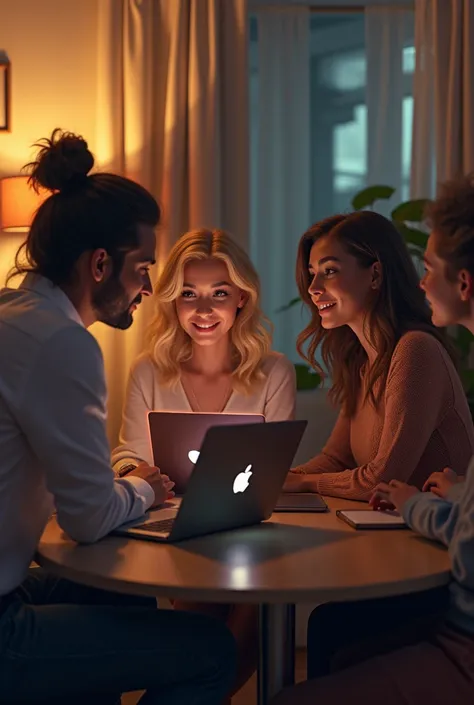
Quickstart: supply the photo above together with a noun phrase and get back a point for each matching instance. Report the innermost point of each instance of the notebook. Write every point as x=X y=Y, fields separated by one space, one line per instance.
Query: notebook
x=371 y=519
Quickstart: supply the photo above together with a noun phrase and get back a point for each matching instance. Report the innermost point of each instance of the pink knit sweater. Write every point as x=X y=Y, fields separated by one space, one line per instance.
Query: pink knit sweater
x=422 y=425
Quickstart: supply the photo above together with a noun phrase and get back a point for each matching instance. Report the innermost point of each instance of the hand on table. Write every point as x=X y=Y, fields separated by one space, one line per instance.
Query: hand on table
x=439 y=483
x=295 y=482
x=161 y=485
x=392 y=495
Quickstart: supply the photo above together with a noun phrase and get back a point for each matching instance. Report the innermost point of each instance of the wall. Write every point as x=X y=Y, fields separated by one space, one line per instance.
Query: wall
x=52 y=46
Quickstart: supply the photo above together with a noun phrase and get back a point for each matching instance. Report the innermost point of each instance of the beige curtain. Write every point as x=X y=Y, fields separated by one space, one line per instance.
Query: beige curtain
x=173 y=114
x=443 y=129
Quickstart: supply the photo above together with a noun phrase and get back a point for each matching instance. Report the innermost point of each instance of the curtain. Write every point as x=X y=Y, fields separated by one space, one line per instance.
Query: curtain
x=280 y=162
x=387 y=33
x=443 y=140
x=173 y=115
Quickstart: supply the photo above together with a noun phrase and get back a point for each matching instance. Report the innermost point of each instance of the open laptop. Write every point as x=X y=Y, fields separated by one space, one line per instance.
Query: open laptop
x=236 y=482
x=176 y=438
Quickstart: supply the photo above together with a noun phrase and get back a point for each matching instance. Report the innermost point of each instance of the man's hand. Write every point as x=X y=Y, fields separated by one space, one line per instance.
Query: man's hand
x=392 y=495
x=161 y=485
x=439 y=483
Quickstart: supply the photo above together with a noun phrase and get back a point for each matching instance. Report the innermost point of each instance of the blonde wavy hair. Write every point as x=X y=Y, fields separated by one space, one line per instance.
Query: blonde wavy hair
x=169 y=345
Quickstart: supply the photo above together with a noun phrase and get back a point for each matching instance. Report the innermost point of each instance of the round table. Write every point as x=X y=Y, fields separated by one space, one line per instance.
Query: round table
x=291 y=558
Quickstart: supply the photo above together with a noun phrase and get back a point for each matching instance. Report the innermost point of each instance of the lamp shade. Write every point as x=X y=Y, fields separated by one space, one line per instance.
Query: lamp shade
x=18 y=204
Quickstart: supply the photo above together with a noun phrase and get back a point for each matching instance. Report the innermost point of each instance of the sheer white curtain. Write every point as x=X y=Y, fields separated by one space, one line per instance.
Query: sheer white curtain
x=387 y=34
x=443 y=134
x=280 y=162
x=173 y=115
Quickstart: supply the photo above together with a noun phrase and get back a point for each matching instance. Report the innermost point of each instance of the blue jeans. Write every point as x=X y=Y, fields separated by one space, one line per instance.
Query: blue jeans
x=67 y=644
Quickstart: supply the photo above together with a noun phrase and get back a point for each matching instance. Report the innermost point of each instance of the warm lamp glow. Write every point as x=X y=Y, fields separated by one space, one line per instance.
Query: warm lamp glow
x=18 y=204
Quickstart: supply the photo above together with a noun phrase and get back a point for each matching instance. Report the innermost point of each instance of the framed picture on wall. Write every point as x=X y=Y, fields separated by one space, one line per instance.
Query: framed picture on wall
x=5 y=88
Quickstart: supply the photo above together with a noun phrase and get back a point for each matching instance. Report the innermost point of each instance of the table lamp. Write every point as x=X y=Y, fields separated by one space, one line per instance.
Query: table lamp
x=18 y=204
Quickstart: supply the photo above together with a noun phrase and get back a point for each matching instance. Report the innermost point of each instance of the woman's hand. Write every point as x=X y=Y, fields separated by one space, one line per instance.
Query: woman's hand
x=392 y=495
x=439 y=483
x=295 y=482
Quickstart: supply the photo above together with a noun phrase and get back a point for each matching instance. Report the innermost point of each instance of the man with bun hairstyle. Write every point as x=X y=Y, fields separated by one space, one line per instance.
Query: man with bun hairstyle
x=86 y=259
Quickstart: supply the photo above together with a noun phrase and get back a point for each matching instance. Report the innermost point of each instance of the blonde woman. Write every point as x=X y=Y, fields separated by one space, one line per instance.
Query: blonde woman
x=209 y=350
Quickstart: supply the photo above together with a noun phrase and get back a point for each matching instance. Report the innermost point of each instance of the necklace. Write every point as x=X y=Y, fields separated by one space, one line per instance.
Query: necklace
x=223 y=400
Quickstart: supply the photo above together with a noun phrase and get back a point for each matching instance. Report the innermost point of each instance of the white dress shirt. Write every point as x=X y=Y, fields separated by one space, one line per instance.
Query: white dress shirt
x=54 y=452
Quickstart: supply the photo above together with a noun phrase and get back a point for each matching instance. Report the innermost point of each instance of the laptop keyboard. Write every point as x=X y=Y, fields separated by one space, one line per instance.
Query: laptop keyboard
x=161 y=526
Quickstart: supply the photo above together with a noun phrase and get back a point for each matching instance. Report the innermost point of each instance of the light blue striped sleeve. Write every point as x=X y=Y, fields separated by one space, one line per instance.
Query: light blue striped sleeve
x=431 y=516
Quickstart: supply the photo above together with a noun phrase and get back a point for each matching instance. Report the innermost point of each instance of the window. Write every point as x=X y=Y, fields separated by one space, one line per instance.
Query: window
x=339 y=134
x=338 y=140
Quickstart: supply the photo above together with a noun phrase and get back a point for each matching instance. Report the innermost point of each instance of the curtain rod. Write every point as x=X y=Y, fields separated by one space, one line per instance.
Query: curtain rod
x=357 y=8
x=333 y=9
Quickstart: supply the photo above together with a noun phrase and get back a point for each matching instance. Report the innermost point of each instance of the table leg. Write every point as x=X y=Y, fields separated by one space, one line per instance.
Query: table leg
x=276 y=650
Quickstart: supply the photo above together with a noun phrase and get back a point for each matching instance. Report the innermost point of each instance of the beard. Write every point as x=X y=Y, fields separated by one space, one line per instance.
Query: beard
x=112 y=304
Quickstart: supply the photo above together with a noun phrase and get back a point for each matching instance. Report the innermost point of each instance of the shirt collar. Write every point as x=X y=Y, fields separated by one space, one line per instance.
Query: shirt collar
x=45 y=287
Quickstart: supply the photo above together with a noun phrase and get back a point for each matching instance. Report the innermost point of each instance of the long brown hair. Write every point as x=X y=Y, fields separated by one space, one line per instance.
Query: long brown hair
x=398 y=306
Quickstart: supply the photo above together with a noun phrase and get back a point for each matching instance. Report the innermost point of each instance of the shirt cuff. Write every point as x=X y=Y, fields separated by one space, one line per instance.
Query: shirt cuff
x=455 y=492
x=414 y=510
x=141 y=488
x=409 y=505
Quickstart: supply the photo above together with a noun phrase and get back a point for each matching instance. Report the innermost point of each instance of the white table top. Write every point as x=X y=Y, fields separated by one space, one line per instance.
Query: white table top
x=291 y=558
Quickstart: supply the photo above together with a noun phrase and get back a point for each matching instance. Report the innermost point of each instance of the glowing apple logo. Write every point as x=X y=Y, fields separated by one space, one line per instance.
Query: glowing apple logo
x=193 y=456
x=241 y=481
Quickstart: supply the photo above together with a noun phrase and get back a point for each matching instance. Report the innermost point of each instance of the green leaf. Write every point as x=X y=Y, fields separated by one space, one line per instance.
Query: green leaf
x=413 y=236
x=306 y=378
x=410 y=211
x=289 y=305
x=368 y=196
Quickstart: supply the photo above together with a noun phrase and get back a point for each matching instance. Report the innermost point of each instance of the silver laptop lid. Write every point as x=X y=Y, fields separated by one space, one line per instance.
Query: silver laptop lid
x=238 y=477
x=177 y=436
